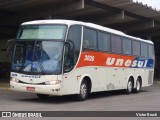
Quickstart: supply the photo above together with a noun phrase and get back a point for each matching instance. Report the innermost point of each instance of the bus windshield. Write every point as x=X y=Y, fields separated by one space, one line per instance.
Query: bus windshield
x=39 y=49
x=42 y=32
x=41 y=57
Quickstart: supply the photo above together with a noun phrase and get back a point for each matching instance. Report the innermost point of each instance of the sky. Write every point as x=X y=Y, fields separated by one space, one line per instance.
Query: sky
x=153 y=3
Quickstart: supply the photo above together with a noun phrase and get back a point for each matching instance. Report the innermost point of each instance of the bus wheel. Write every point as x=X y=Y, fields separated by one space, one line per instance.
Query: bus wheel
x=138 y=86
x=129 y=86
x=42 y=96
x=83 y=91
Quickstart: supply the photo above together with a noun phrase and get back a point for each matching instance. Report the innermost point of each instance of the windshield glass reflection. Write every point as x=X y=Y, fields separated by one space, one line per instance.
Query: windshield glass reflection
x=43 y=57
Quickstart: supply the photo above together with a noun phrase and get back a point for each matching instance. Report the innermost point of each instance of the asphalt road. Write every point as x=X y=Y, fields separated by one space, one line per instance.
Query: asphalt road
x=147 y=100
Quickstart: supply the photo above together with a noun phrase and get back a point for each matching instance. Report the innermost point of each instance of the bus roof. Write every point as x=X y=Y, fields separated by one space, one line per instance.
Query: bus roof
x=72 y=22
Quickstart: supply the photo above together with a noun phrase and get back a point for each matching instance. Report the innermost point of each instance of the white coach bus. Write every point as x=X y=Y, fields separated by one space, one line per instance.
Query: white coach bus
x=64 y=57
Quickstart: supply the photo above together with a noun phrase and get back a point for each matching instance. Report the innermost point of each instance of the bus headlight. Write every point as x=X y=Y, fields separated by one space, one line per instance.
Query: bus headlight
x=53 y=82
x=14 y=79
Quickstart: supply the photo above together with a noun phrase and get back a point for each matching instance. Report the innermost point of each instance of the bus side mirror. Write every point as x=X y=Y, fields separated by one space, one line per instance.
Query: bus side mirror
x=70 y=49
x=67 y=50
x=10 y=46
x=67 y=57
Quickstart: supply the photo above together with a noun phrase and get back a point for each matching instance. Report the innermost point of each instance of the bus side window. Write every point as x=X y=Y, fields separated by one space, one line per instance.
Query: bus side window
x=144 y=51
x=89 y=39
x=150 y=51
x=116 y=44
x=103 y=41
x=127 y=46
x=136 y=48
x=85 y=43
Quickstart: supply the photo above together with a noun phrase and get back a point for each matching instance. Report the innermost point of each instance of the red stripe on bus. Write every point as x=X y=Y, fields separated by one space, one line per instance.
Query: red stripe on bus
x=92 y=58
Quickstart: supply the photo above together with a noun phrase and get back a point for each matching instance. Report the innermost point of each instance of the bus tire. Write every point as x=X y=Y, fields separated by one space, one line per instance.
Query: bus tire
x=42 y=96
x=138 y=86
x=129 y=86
x=83 y=94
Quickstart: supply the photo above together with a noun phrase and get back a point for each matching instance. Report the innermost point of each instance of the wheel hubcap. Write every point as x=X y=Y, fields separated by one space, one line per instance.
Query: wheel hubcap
x=130 y=86
x=83 y=90
x=138 y=85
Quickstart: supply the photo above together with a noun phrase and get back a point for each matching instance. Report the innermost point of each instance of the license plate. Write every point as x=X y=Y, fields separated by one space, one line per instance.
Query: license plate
x=30 y=88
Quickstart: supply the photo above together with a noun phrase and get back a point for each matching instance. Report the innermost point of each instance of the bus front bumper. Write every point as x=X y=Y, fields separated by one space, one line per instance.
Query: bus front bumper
x=38 y=89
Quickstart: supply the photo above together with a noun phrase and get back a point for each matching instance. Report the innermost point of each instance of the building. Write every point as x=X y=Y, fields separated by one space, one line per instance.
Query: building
x=135 y=19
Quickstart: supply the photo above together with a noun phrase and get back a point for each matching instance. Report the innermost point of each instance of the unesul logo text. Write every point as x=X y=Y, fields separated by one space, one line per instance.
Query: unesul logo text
x=127 y=63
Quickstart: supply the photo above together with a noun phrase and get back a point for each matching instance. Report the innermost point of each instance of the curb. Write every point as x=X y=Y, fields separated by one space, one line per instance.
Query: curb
x=4 y=86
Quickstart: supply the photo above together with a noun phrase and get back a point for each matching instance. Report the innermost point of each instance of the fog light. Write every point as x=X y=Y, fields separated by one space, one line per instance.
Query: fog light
x=53 y=82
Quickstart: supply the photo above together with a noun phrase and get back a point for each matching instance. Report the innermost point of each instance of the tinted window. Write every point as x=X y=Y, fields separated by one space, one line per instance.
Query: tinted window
x=144 y=51
x=127 y=46
x=103 y=41
x=116 y=44
x=89 y=39
x=136 y=48
x=150 y=50
x=72 y=53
